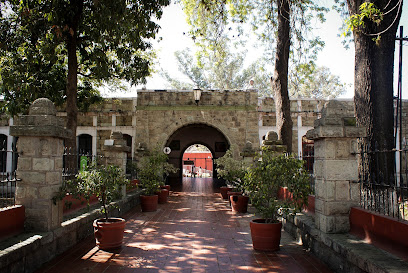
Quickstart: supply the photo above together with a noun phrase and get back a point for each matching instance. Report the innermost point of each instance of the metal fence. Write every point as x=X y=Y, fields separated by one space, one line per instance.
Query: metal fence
x=308 y=157
x=74 y=161
x=8 y=178
x=384 y=189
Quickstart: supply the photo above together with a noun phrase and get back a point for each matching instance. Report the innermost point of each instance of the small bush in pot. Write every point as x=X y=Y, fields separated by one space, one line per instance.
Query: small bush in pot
x=152 y=169
x=232 y=170
x=270 y=172
x=106 y=182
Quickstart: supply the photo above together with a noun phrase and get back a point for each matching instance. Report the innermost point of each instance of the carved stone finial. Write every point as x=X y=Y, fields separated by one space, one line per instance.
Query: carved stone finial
x=336 y=108
x=42 y=106
x=272 y=142
x=271 y=136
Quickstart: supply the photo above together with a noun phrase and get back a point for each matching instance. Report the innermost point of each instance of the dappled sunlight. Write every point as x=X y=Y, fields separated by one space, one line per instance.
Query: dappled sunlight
x=147 y=246
x=182 y=209
x=90 y=253
x=98 y=255
x=148 y=230
x=191 y=221
x=193 y=232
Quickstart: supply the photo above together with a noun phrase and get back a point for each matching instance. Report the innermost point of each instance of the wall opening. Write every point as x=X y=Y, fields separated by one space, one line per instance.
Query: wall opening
x=198 y=162
x=195 y=134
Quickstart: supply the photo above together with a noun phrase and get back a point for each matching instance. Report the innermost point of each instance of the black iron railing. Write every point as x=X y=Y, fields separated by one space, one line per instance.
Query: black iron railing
x=74 y=161
x=308 y=157
x=8 y=178
x=383 y=181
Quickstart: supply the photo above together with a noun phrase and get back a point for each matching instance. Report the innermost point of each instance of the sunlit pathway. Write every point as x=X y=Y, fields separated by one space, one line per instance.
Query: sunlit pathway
x=194 y=232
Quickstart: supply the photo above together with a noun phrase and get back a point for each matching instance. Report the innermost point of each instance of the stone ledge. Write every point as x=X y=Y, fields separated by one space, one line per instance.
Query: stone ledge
x=36 y=130
x=342 y=252
x=28 y=251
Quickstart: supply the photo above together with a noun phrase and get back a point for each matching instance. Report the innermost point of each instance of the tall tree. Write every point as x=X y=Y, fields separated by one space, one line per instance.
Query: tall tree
x=279 y=81
x=374 y=26
x=91 y=41
x=271 y=19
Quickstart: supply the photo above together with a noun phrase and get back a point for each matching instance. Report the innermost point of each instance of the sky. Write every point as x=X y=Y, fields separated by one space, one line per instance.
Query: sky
x=335 y=56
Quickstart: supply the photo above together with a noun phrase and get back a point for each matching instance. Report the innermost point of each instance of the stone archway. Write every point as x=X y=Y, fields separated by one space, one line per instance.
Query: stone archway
x=196 y=133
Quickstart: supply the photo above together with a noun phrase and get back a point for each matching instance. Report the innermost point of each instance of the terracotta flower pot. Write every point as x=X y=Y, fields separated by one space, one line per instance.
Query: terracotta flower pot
x=149 y=202
x=239 y=203
x=163 y=194
x=109 y=234
x=265 y=236
x=232 y=193
x=223 y=191
x=167 y=187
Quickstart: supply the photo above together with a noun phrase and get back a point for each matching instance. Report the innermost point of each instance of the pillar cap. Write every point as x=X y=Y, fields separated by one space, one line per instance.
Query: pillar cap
x=337 y=121
x=41 y=121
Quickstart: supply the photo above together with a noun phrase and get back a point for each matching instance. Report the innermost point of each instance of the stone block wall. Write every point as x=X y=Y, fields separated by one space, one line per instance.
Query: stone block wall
x=185 y=98
x=156 y=126
x=159 y=114
x=4 y=120
x=85 y=119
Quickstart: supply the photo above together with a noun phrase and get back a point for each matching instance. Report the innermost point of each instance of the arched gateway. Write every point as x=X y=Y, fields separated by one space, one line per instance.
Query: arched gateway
x=174 y=119
x=192 y=134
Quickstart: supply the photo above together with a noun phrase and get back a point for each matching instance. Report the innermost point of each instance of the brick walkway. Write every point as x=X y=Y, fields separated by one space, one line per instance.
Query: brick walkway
x=194 y=232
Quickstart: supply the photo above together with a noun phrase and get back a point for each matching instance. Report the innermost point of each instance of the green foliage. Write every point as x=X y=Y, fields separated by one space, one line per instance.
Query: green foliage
x=368 y=11
x=270 y=172
x=217 y=26
x=229 y=74
x=152 y=169
x=231 y=169
x=309 y=81
x=104 y=181
x=110 y=39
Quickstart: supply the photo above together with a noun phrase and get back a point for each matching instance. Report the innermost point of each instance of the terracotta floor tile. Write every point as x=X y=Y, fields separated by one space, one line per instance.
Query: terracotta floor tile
x=194 y=232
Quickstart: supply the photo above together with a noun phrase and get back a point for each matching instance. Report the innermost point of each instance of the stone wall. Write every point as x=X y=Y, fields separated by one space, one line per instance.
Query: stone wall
x=160 y=114
x=229 y=111
x=185 y=98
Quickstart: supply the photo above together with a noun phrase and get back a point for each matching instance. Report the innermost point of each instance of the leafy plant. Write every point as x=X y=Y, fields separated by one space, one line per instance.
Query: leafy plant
x=231 y=169
x=270 y=172
x=104 y=181
x=152 y=170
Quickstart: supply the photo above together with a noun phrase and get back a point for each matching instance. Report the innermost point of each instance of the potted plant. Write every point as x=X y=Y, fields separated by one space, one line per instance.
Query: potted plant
x=263 y=181
x=106 y=182
x=152 y=169
x=233 y=171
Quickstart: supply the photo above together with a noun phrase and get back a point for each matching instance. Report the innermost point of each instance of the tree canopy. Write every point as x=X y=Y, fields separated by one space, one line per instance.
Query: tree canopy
x=61 y=47
x=305 y=80
x=280 y=23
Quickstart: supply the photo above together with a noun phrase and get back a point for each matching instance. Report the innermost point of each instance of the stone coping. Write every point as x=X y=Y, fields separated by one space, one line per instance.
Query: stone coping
x=191 y=90
x=28 y=251
x=342 y=252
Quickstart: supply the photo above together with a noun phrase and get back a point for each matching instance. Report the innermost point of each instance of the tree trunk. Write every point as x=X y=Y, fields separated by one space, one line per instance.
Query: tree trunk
x=373 y=83
x=71 y=106
x=280 y=79
x=72 y=83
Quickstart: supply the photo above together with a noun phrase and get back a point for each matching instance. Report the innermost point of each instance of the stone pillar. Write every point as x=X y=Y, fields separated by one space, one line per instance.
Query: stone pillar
x=115 y=150
x=40 y=147
x=335 y=167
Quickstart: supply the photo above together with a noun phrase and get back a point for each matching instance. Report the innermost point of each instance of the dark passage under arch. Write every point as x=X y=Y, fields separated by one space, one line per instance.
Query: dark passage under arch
x=191 y=134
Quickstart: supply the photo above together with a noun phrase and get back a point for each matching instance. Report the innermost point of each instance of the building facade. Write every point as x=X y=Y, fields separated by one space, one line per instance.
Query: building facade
x=174 y=119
